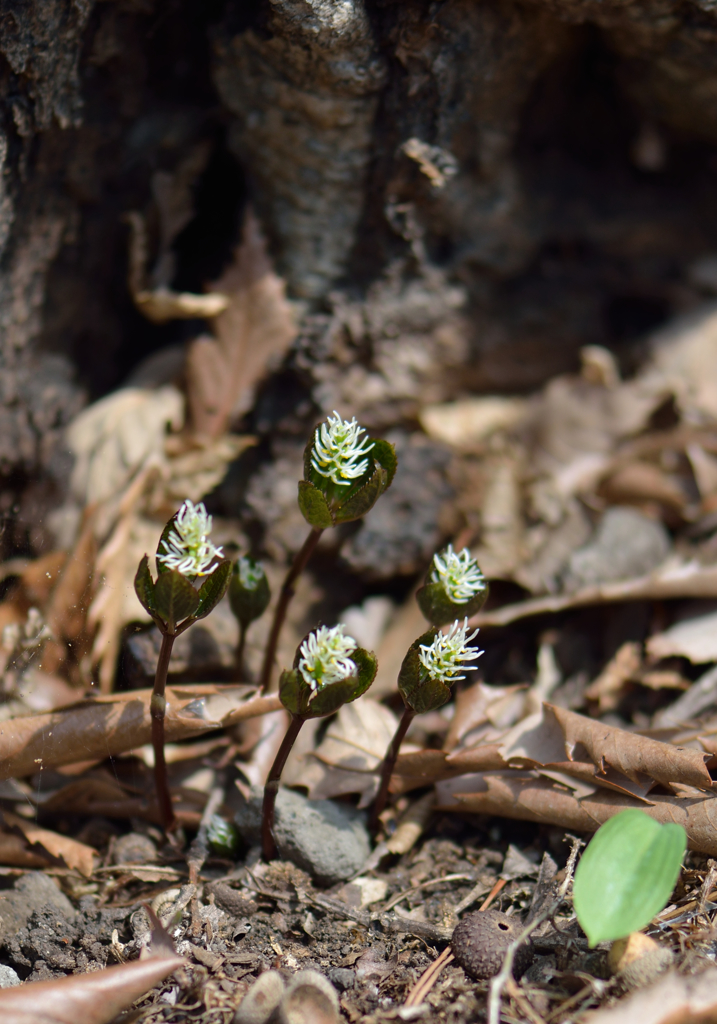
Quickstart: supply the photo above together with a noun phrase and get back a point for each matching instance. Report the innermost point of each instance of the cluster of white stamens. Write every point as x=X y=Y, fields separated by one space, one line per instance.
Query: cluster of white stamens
x=188 y=548
x=445 y=658
x=339 y=450
x=459 y=574
x=325 y=656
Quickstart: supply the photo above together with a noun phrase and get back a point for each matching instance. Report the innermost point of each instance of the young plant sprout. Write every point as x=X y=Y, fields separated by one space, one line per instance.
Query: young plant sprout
x=330 y=670
x=433 y=663
x=184 y=554
x=345 y=473
x=454 y=587
x=249 y=596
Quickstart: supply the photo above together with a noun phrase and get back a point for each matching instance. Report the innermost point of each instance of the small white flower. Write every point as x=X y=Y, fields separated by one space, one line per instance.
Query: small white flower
x=325 y=656
x=446 y=656
x=250 y=573
x=339 y=451
x=188 y=548
x=459 y=574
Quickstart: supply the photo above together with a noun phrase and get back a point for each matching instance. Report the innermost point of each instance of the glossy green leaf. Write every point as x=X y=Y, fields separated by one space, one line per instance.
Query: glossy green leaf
x=626 y=874
x=362 y=500
x=385 y=454
x=213 y=588
x=294 y=694
x=175 y=598
x=162 y=546
x=314 y=507
x=437 y=607
x=144 y=587
x=421 y=695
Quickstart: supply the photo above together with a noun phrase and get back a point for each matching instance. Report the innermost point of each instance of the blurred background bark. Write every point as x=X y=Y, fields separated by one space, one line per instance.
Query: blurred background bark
x=510 y=180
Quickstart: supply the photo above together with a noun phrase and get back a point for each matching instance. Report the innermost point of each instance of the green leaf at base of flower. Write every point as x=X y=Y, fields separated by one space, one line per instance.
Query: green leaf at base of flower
x=299 y=699
x=421 y=695
x=144 y=587
x=438 y=608
x=627 y=874
x=213 y=589
x=175 y=598
x=314 y=507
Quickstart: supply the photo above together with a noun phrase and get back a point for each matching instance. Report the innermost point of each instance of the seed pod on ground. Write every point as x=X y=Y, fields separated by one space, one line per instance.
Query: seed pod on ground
x=481 y=941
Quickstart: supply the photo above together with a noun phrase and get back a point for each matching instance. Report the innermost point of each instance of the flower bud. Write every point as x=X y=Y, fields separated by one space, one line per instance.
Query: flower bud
x=249 y=592
x=330 y=670
x=454 y=587
x=433 y=663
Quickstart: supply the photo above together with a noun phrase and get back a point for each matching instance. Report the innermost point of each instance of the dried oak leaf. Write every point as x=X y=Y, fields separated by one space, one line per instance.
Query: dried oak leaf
x=525 y=796
x=75 y=854
x=252 y=334
x=94 y=998
x=114 y=724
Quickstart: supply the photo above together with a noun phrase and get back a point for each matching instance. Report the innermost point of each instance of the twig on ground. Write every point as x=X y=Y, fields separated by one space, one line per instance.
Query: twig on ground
x=428 y=979
x=499 y=981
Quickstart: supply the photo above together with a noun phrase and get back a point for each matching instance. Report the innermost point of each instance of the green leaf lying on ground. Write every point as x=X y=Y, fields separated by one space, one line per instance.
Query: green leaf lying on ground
x=626 y=875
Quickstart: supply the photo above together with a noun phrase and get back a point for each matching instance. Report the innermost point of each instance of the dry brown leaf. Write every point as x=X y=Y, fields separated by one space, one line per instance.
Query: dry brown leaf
x=479 y=705
x=253 y=332
x=118 y=723
x=467 y=422
x=676 y=578
x=502 y=527
x=406 y=625
x=639 y=483
x=674 y=999
x=76 y=855
x=694 y=639
x=351 y=752
x=16 y=852
x=94 y=998
x=557 y=739
x=263 y=737
x=608 y=687
x=423 y=767
x=524 y=796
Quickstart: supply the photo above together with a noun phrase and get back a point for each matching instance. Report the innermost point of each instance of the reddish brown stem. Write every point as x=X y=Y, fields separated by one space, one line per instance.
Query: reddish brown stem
x=389 y=763
x=158 y=706
x=287 y=592
x=268 y=843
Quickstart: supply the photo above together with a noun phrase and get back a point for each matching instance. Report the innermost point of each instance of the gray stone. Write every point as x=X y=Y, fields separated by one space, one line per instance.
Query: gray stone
x=626 y=544
x=327 y=839
x=8 y=977
x=30 y=893
x=342 y=977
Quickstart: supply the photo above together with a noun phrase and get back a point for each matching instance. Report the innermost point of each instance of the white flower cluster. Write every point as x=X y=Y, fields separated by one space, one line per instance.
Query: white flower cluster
x=459 y=574
x=325 y=656
x=445 y=658
x=188 y=548
x=339 y=451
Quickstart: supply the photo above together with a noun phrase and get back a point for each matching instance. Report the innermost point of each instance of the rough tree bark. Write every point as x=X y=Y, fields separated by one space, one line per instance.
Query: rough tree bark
x=490 y=182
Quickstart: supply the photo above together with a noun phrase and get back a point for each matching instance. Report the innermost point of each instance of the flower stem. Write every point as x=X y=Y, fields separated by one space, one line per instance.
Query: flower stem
x=287 y=592
x=158 y=706
x=239 y=667
x=268 y=843
x=389 y=763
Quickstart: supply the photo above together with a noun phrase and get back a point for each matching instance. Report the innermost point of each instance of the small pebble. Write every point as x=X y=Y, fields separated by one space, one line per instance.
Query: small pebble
x=481 y=940
x=134 y=848
x=342 y=977
x=8 y=977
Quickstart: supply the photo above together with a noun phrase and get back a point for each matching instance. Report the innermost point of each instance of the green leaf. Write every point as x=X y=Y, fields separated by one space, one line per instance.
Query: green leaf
x=213 y=588
x=367 y=666
x=314 y=507
x=329 y=699
x=421 y=695
x=249 y=602
x=144 y=587
x=175 y=598
x=308 y=452
x=385 y=454
x=363 y=500
x=440 y=610
x=163 y=547
x=626 y=874
x=294 y=694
